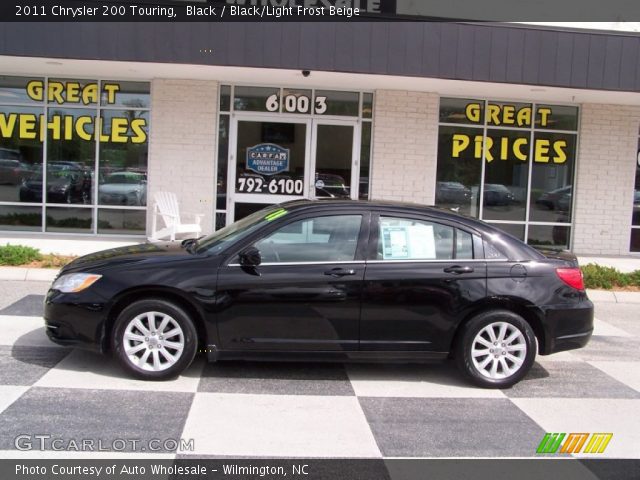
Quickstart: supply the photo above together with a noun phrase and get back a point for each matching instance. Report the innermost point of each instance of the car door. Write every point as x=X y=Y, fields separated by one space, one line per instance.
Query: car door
x=306 y=293
x=421 y=276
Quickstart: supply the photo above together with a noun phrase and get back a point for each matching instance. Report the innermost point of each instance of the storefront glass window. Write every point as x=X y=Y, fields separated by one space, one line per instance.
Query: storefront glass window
x=20 y=218
x=21 y=152
x=337 y=103
x=552 y=177
x=256 y=99
x=635 y=219
x=131 y=95
x=516 y=160
x=505 y=176
x=367 y=105
x=300 y=143
x=458 y=180
x=225 y=98
x=365 y=161
x=97 y=142
x=21 y=90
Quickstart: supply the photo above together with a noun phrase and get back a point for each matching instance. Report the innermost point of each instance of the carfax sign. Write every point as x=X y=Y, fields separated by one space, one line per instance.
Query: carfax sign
x=268 y=159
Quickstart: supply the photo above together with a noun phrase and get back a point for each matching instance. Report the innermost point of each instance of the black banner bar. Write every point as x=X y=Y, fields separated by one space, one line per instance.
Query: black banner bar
x=320 y=469
x=318 y=10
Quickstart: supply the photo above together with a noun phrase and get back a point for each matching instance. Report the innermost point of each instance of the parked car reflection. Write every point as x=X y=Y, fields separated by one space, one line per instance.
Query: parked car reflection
x=123 y=188
x=558 y=199
x=331 y=186
x=452 y=192
x=12 y=169
x=496 y=194
x=64 y=185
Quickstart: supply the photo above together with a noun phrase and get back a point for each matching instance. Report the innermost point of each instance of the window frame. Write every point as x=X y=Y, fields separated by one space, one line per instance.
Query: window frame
x=635 y=188
x=484 y=126
x=231 y=259
x=374 y=238
x=95 y=207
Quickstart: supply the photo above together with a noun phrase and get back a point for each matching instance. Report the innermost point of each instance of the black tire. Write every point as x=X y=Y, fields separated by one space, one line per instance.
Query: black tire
x=177 y=314
x=468 y=335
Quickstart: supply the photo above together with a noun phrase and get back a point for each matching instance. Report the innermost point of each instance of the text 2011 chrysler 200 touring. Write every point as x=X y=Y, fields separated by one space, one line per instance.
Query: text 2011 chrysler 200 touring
x=338 y=280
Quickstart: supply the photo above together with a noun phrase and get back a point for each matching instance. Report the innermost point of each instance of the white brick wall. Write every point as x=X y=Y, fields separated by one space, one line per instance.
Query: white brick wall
x=605 y=179
x=182 y=147
x=405 y=142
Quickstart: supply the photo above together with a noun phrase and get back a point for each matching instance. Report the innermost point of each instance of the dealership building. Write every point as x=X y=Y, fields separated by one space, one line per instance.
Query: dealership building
x=533 y=129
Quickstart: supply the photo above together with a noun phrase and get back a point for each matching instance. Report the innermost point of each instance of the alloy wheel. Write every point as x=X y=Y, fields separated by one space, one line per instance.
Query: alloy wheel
x=153 y=341
x=498 y=350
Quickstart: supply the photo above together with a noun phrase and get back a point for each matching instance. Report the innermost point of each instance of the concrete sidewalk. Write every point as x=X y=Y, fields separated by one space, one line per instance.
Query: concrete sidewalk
x=28 y=274
x=625 y=264
x=49 y=274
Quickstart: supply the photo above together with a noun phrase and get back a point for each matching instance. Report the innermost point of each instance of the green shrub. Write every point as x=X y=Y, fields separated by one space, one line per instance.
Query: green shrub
x=597 y=276
x=18 y=255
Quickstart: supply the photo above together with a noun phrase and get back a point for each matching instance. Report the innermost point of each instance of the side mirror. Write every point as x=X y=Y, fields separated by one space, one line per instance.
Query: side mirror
x=250 y=257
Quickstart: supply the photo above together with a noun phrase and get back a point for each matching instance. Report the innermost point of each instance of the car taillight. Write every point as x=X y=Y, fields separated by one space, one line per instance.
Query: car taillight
x=571 y=276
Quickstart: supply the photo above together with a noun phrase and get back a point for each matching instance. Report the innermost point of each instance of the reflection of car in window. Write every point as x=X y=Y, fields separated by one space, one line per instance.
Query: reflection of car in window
x=11 y=169
x=123 y=188
x=496 y=194
x=64 y=185
x=558 y=199
x=452 y=192
x=331 y=186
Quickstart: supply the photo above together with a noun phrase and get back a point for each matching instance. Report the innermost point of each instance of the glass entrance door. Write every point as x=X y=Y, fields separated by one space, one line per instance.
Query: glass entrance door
x=274 y=161
x=268 y=164
x=334 y=159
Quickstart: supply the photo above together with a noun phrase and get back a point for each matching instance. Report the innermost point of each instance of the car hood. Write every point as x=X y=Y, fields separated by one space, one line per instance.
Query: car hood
x=149 y=253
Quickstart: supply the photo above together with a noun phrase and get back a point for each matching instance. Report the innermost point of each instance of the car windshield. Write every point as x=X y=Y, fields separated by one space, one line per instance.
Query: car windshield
x=220 y=240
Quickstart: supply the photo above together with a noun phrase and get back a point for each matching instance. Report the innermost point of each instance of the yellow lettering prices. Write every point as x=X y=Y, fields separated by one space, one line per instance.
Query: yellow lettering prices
x=504 y=148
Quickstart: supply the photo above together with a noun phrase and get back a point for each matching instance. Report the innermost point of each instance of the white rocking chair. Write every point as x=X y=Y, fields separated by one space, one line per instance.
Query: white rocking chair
x=166 y=205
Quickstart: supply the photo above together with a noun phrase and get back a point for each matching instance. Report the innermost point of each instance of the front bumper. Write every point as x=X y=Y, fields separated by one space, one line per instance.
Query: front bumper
x=75 y=320
x=567 y=327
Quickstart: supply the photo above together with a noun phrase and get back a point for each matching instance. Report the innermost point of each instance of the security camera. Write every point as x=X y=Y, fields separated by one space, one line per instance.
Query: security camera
x=306 y=73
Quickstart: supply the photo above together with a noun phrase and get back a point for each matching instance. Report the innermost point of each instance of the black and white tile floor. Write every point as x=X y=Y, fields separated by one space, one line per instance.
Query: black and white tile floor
x=314 y=410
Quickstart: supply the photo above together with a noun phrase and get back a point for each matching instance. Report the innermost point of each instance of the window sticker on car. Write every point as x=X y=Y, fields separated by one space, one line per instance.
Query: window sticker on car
x=277 y=214
x=401 y=242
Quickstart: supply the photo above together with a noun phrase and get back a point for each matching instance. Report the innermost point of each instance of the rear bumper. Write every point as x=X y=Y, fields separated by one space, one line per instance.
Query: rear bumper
x=567 y=327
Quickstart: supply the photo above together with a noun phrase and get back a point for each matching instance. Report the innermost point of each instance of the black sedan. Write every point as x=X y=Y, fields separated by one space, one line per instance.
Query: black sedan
x=328 y=280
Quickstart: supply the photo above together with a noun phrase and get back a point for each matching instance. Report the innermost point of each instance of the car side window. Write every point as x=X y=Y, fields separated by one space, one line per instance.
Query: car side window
x=412 y=239
x=464 y=245
x=330 y=238
x=491 y=252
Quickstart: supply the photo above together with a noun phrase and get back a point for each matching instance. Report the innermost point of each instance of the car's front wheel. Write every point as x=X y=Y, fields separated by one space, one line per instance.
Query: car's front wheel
x=154 y=339
x=496 y=349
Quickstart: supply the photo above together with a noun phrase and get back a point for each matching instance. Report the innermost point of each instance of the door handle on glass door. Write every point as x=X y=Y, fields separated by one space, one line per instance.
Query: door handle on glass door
x=340 y=272
x=457 y=269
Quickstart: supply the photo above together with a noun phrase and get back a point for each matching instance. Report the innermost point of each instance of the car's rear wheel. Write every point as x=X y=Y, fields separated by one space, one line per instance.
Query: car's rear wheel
x=496 y=349
x=154 y=339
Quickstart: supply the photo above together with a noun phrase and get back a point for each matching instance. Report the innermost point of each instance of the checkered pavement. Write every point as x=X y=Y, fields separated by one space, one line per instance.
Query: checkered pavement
x=313 y=410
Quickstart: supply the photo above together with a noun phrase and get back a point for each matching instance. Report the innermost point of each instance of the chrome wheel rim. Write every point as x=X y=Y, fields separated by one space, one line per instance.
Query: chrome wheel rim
x=153 y=341
x=498 y=350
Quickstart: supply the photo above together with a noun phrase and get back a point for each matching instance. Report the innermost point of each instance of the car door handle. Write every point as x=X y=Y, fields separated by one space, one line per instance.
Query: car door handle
x=340 y=272
x=457 y=269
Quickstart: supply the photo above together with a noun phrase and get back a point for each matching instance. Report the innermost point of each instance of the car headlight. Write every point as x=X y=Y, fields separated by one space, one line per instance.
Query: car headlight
x=75 y=282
